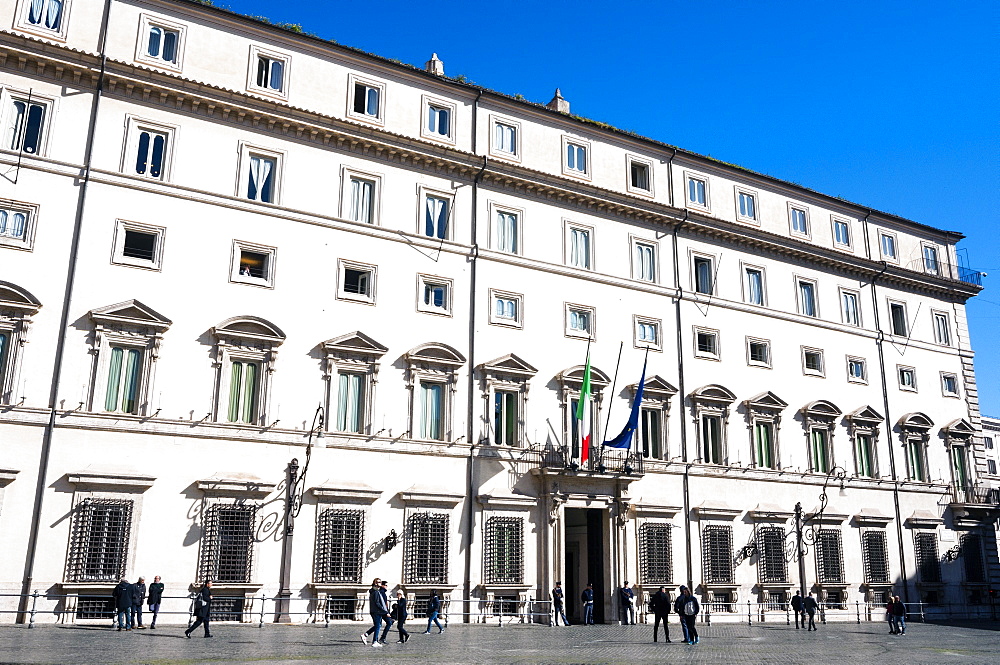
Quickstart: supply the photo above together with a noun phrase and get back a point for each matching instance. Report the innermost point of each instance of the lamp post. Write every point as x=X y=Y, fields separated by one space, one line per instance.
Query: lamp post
x=294 y=490
x=802 y=540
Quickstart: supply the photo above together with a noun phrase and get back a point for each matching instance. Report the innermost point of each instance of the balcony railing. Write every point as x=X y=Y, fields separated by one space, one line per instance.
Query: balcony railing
x=986 y=496
x=602 y=460
x=946 y=270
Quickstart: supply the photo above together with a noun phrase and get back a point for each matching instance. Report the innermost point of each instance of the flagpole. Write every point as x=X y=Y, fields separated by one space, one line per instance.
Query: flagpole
x=607 y=422
x=579 y=442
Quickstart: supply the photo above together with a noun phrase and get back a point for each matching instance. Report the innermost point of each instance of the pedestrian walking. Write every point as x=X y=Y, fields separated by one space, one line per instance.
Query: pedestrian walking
x=123 y=604
x=378 y=608
x=809 y=605
x=588 y=604
x=797 y=608
x=899 y=615
x=138 y=597
x=155 y=597
x=433 y=607
x=401 y=616
x=660 y=604
x=557 y=604
x=626 y=604
x=687 y=607
x=889 y=617
x=202 y=610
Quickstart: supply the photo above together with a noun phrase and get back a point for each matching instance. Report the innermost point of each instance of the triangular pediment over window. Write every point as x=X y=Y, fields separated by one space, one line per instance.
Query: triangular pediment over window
x=655 y=386
x=249 y=328
x=357 y=343
x=767 y=400
x=821 y=409
x=916 y=421
x=960 y=427
x=713 y=393
x=509 y=364
x=130 y=313
x=866 y=415
x=436 y=354
x=574 y=377
x=14 y=297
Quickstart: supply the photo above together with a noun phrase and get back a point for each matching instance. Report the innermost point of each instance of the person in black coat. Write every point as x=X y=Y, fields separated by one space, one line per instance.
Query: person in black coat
x=810 y=606
x=202 y=609
x=797 y=608
x=155 y=598
x=687 y=607
x=588 y=605
x=138 y=596
x=123 y=604
x=660 y=604
x=401 y=615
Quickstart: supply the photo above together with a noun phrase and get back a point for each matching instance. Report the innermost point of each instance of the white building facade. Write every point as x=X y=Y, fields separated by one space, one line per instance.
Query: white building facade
x=211 y=226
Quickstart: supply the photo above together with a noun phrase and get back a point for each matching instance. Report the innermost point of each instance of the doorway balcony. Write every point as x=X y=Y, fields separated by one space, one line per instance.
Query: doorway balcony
x=612 y=461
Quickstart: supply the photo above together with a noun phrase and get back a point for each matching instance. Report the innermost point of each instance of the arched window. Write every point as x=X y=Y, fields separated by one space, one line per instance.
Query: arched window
x=245 y=352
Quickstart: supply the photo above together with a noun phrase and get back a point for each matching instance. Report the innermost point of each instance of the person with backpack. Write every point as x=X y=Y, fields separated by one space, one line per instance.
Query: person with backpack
x=687 y=607
x=660 y=604
x=399 y=614
x=433 y=607
x=797 y=609
x=155 y=598
x=810 y=606
x=202 y=609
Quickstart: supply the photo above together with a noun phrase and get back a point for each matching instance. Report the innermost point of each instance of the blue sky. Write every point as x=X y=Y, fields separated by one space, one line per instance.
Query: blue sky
x=893 y=105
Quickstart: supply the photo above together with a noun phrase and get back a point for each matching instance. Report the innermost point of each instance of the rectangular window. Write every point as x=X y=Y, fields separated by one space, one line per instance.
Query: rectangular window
x=857 y=370
x=438 y=120
x=14 y=224
x=754 y=286
x=435 y=295
x=99 y=543
x=644 y=263
x=819 y=450
x=138 y=245
x=579 y=321
x=942 y=329
x=704 y=275
x=367 y=100
x=864 y=453
x=758 y=352
x=849 y=308
x=717 y=553
x=915 y=459
x=931 y=264
x=959 y=470
x=888 y=245
x=339 y=546
x=812 y=362
x=436 y=210
x=261 y=178
x=639 y=176
x=972 y=558
x=151 y=151
x=799 y=221
x=763 y=445
x=949 y=384
x=771 y=550
x=244 y=386
x=651 y=433
x=350 y=402
x=991 y=467
x=579 y=249
x=426 y=548
x=746 y=206
x=227 y=542
x=270 y=73
x=361 y=201
x=656 y=564
x=841 y=233
x=928 y=561
x=505 y=138
x=123 y=380
x=505 y=417
x=706 y=344
x=697 y=193
x=507 y=309
x=504 y=550
x=254 y=264
x=907 y=378
x=432 y=411
x=47 y=14
x=897 y=318
x=711 y=439
x=576 y=158
x=507 y=231
x=829 y=556
x=989 y=442
x=25 y=125
x=647 y=333
x=875 y=554
x=161 y=44
x=807 y=298
x=357 y=282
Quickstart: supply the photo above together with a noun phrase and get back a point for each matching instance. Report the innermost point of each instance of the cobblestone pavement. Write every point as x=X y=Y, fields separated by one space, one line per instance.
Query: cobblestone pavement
x=726 y=643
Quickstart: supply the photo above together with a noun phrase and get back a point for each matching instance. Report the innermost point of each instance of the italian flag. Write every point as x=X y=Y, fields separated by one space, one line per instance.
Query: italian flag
x=583 y=413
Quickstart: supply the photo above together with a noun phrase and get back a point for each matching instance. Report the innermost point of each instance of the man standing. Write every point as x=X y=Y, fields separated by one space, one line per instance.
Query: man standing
x=202 y=609
x=557 y=604
x=626 y=600
x=378 y=609
x=138 y=596
x=797 y=609
x=588 y=604
x=687 y=607
x=660 y=604
x=809 y=605
x=401 y=615
x=899 y=615
x=123 y=604
x=155 y=597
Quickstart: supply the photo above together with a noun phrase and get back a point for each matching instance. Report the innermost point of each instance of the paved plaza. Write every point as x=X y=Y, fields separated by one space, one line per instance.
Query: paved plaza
x=725 y=643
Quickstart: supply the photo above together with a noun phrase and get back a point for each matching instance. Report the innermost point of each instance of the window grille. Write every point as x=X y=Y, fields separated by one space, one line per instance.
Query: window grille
x=341 y=607
x=505 y=605
x=876 y=556
x=227 y=544
x=227 y=609
x=880 y=598
x=829 y=556
x=418 y=608
x=656 y=554
x=339 y=546
x=426 y=548
x=94 y=607
x=717 y=553
x=504 y=550
x=771 y=566
x=100 y=538
x=928 y=562
x=972 y=558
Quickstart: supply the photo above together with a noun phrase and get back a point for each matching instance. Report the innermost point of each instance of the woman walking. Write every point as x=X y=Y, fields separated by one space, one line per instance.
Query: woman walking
x=202 y=609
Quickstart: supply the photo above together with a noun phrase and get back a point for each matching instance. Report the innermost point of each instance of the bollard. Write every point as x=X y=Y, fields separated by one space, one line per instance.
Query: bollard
x=923 y=619
x=263 y=599
x=708 y=614
x=749 y=622
x=326 y=613
x=788 y=620
x=34 y=603
x=857 y=605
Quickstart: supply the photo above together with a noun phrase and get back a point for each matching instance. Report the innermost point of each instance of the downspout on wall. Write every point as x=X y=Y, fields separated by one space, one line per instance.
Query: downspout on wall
x=50 y=425
x=679 y=290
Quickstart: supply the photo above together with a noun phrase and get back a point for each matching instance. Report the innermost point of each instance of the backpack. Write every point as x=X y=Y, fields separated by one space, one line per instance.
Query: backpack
x=394 y=614
x=689 y=608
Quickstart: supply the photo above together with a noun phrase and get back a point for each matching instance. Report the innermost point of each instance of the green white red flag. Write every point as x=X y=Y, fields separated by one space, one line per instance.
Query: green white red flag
x=583 y=413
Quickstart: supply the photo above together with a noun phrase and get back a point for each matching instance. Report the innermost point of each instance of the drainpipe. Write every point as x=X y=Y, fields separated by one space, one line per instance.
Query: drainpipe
x=681 y=393
x=670 y=179
x=470 y=512
x=47 y=436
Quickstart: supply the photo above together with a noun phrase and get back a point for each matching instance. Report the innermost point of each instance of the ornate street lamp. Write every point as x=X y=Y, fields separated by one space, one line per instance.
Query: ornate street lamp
x=295 y=488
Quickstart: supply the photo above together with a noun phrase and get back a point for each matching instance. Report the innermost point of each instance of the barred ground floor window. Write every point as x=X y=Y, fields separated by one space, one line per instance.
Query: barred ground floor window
x=227 y=544
x=655 y=554
x=717 y=554
x=339 y=546
x=99 y=543
x=504 y=551
x=426 y=548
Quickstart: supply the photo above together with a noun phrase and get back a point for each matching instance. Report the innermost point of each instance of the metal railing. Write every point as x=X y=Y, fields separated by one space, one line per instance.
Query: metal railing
x=947 y=270
x=601 y=460
x=976 y=494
